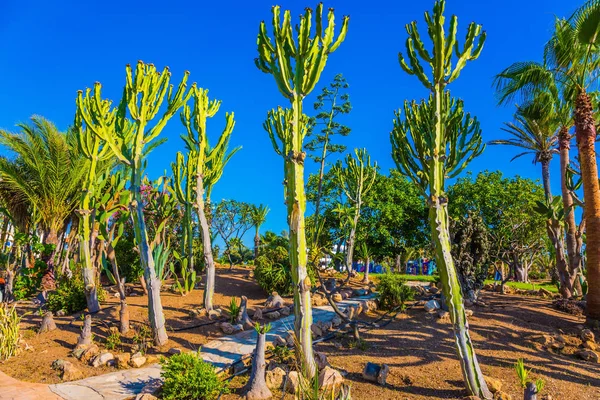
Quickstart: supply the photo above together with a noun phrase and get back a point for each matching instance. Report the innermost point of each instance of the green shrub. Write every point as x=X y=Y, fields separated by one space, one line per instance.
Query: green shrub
x=187 y=377
x=393 y=292
x=113 y=340
x=9 y=331
x=29 y=281
x=273 y=277
x=70 y=296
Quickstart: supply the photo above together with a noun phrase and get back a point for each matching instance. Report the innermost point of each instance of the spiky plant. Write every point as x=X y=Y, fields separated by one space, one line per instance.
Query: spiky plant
x=207 y=164
x=355 y=179
x=435 y=141
x=183 y=186
x=130 y=138
x=296 y=64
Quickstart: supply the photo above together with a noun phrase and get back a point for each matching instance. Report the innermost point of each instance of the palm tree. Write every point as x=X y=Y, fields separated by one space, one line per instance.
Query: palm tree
x=45 y=173
x=547 y=95
x=258 y=215
x=574 y=48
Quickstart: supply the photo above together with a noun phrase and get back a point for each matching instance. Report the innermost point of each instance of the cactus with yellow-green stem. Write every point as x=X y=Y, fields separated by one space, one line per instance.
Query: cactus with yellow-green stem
x=296 y=63
x=435 y=141
x=356 y=179
x=184 y=178
x=130 y=139
x=100 y=119
x=207 y=164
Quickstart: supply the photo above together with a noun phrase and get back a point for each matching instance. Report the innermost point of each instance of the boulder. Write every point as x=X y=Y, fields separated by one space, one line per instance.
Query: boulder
x=590 y=346
x=137 y=360
x=468 y=313
x=495 y=385
x=587 y=335
x=318 y=300
x=257 y=314
x=376 y=373
x=279 y=341
x=336 y=321
x=215 y=314
x=227 y=328
x=89 y=353
x=330 y=378
x=545 y=292
x=321 y=360
x=102 y=359
x=292 y=382
x=285 y=311
x=175 y=350
x=58 y=364
x=443 y=316
x=431 y=306
x=70 y=372
x=275 y=378
x=316 y=330
x=145 y=396
x=273 y=315
x=337 y=297
x=360 y=292
x=545 y=340
x=123 y=360
x=502 y=396
x=346 y=293
x=274 y=301
x=588 y=355
x=434 y=290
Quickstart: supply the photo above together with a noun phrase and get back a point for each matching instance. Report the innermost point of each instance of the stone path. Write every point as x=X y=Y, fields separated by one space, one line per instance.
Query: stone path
x=126 y=384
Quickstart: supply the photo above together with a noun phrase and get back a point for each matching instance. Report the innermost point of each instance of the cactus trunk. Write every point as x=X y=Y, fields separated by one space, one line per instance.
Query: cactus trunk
x=438 y=221
x=296 y=206
x=85 y=241
x=155 y=310
x=209 y=283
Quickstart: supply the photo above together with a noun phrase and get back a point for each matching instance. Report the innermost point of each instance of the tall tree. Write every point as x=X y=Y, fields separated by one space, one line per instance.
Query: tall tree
x=539 y=136
x=296 y=65
x=130 y=139
x=258 y=215
x=436 y=140
x=574 y=48
x=207 y=164
x=331 y=103
x=231 y=220
x=355 y=179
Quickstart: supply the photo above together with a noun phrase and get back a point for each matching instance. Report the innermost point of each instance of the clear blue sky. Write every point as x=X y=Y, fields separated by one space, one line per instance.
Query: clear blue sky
x=49 y=50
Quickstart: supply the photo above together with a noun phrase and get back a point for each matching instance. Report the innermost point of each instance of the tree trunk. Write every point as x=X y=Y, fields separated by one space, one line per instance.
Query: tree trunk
x=366 y=277
x=209 y=286
x=555 y=234
x=586 y=136
x=242 y=317
x=8 y=286
x=155 y=310
x=124 y=311
x=256 y=245
x=85 y=337
x=352 y=237
x=398 y=263
x=574 y=256
x=48 y=323
x=438 y=222
x=530 y=392
x=256 y=388
x=296 y=207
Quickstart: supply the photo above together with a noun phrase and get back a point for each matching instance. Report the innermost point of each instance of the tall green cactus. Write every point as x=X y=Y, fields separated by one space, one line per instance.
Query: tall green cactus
x=184 y=174
x=128 y=135
x=435 y=141
x=100 y=121
x=296 y=65
x=207 y=164
x=356 y=179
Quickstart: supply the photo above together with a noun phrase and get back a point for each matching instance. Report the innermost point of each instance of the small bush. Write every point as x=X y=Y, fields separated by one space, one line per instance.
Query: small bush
x=70 y=296
x=29 y=281
x=9 y=332
x=393 y=292
x=113 y=340
x=273 y=277
x=142 y=337
x=188 y=377
x=234 y=310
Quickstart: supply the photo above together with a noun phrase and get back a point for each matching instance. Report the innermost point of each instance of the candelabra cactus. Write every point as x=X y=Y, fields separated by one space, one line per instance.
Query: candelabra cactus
x=295 y=80
x=207 y=164
x=437 y=140
x=183 y=187
x=356 y=179
x=126 y=132
x=100 y=121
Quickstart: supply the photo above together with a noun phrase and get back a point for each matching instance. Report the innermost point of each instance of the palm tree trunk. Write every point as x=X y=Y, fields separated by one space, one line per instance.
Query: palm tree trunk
x=574 y=256
x=256 y=244
x=209 y=286
x=585 y=130
x=555 y=235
